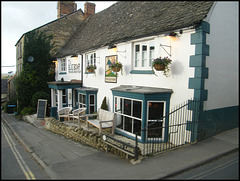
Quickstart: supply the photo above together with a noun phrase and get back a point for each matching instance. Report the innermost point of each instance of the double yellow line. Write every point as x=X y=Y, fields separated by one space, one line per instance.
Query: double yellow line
x=27 y=172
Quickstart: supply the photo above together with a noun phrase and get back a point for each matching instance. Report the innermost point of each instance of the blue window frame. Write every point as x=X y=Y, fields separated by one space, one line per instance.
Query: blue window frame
x=136 y=108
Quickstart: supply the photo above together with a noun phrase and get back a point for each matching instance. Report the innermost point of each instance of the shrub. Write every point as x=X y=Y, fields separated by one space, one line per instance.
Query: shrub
x=39 y=95
x=28 y=111
x=104 y=104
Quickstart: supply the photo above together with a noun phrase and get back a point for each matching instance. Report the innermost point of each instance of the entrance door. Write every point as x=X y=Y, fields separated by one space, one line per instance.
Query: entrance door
x=155 y=121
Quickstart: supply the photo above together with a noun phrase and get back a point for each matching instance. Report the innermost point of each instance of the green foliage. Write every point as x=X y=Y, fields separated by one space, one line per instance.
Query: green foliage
x=28 y=111
x=104 y=104
x=34 y=76
x=12 y=101
x=39 y=95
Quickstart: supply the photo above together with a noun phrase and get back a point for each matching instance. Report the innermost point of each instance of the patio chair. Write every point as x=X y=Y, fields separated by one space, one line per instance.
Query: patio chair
x=64 y=112
x=77 y=113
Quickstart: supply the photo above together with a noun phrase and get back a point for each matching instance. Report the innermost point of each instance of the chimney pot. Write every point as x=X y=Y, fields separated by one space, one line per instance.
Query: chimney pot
x=66 y=7
x=89 y=9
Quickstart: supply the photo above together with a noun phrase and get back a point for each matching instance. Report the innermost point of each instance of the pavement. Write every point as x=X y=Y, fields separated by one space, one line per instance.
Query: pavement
x=63 y=158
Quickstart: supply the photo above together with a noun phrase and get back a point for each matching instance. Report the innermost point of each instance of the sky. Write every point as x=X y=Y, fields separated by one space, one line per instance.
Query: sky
x=19 y=17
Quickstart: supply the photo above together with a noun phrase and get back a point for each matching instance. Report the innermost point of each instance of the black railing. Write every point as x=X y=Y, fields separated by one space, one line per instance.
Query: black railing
x=175 y=129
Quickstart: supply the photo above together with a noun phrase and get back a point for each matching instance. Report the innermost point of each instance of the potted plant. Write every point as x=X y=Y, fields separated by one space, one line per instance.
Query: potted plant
x=91 y=68
x=116 y=66
x=161 y=64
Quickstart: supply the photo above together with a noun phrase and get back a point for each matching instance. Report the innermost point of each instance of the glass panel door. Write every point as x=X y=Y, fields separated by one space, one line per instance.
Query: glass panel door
x=155 y=119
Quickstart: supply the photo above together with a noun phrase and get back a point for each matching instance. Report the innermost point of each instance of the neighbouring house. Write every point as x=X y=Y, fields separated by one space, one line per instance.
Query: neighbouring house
x=11 y=87
x=201 y=39
x=4 y=91
x=69 y=18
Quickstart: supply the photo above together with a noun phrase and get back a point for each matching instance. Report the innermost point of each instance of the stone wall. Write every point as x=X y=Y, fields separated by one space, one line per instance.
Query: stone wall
x=81 y=135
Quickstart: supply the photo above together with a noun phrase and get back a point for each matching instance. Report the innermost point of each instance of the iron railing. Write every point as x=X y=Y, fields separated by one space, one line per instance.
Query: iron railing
x=175 y=129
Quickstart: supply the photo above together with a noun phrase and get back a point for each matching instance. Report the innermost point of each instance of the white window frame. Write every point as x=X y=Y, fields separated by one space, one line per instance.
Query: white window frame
x=91 y=59
x=131 y=117
x=89 y=105
x=81 y=103
x=63 y=65
x=56 y=97
x=148 y=62
x=64 y=95
x=163 y=121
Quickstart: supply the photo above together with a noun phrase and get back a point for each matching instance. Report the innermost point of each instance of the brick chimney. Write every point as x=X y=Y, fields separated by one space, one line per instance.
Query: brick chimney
x=66 y=7
x=89 y=9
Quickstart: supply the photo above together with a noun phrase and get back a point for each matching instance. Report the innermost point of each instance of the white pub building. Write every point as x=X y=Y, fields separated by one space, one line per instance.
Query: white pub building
x=201 y=39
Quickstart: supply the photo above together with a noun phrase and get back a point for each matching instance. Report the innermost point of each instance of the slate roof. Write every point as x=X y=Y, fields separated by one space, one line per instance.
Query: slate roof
x=61 y=28
x=126 y=20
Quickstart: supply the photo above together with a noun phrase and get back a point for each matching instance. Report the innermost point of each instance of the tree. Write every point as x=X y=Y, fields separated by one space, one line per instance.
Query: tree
x=34 y=76
x=104 y=104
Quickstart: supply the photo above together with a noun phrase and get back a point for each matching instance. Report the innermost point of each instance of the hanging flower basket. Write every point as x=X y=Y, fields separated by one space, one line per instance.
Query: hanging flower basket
x=116 y=69
x=116 y=66
x=91 y=68
x=159 y=67
x=161 y=64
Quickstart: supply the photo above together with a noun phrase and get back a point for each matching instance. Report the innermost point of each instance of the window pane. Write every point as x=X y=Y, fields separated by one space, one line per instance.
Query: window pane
x=137 y=109
x=80 y=98
x=144 y=55
x=91 y=99
x=155 y=110
x=118 y=105
x=84 y=99
x=137 y=48
x=155 y=130
x=151 y=53
x=137 y=57
x=137 y=127
x=128 y=124
x=92 y=109
x=127 y=107
x=119 y=119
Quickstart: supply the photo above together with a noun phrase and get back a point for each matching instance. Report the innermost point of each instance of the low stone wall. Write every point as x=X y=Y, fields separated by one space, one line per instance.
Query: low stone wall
x=80 y=135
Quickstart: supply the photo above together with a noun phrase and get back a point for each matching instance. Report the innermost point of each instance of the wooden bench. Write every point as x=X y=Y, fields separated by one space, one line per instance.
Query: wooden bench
x=77 y=113
x=64 y=112
x=105 y=119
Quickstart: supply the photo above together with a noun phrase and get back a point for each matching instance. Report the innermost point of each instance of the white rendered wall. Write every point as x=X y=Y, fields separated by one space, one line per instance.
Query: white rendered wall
x=68 y=76
x=223 y=60
x=179 y=70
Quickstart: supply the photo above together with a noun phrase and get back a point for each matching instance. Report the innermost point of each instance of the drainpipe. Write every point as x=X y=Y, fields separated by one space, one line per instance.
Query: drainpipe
x=82 y=67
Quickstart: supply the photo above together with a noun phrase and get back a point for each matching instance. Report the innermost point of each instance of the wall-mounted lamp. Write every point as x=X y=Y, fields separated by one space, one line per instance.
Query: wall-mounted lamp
x=172 y=34
x=111 y=46
x=74 y=56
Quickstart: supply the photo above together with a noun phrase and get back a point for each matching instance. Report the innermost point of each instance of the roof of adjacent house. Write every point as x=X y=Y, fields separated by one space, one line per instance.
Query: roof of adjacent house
x=126 y=20
x=61 y=28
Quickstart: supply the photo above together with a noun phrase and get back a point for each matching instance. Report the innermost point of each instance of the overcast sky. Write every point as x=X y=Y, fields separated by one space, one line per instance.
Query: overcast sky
x=19 y=17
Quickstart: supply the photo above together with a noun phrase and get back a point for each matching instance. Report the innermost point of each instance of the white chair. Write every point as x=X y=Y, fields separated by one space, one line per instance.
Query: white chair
x=64 y=112
x=77 y=113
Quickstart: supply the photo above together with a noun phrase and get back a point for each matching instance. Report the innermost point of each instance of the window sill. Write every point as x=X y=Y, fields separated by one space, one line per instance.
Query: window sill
x=61 y=73
x=142 y=72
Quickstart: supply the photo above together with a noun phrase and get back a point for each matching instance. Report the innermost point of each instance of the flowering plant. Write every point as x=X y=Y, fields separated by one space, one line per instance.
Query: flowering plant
x=116 y=65
x=91 y=67
x=162 y=61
